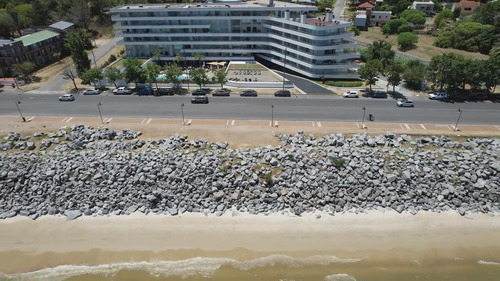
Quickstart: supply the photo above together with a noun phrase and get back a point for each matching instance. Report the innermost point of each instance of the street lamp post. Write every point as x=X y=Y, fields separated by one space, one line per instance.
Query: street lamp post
x=182 y=111
x=272 y=115
x=284 y=66
x=363 y=120
x=100 y=114
x=22 y=117
x=458 y=119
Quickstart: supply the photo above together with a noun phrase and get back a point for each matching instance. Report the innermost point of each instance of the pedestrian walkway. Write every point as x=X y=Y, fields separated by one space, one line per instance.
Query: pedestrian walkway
x=315 y=126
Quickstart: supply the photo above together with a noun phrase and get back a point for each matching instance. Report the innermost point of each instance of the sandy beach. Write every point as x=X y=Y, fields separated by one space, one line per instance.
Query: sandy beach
x=27 y=245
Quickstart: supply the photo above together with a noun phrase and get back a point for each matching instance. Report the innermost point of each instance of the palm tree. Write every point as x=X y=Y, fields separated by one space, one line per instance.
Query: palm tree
x=199 y=56
x=178 y=59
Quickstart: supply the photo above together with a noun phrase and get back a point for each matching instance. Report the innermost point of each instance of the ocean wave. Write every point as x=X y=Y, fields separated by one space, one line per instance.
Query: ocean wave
x=205 y=267
x=488 y=262
x=340 y=277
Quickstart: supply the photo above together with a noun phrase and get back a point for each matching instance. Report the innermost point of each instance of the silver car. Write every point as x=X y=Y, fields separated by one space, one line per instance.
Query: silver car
x=67 y=97
x=405 y=103
x=91 y=91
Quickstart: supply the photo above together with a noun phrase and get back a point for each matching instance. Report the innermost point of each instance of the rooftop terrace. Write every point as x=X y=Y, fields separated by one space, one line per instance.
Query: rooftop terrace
x=230 y=4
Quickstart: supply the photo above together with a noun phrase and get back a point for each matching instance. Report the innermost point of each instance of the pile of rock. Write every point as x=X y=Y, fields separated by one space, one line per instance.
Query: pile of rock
x=91 y=173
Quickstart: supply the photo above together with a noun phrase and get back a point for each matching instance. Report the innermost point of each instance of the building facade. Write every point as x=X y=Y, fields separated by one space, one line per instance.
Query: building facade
x=276 y=32
x=426 y=7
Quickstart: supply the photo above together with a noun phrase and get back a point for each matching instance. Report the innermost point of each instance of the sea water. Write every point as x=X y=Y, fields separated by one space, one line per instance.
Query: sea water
x=275 y=268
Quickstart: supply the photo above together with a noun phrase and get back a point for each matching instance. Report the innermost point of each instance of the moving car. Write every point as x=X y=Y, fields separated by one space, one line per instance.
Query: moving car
x=122 y=91
x=405 y=103
x=67 y=97
x=164 y=92
x=221 y=93
x=199 y=92
x=91 y=91
x=350 y=94
x=249 y=93
x=438 y=96
x=379 y=95
x=200 y=99
x=282 y=93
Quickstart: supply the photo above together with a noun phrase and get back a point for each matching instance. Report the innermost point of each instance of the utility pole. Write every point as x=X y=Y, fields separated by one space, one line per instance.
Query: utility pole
x=182 y=111
x=100 y=114
x=458 y=119
x=272 y=115
x=363 y=120
x=284 y=66
x=22 y=117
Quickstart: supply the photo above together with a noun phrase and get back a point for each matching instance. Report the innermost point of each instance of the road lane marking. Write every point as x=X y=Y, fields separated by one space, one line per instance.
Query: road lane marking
x=448 y=127
x=357 y=125
x=498 y=128
x=149 y=121
x=232 y=123
x=227 y=123
x=422 y=125
x=31 y=118
x=270 y=123
x=401 y=125
x=69 y=119
x=408 y=127
x=313 y=124
x=319 y=124
x=275 y=123
x=64 y=119
x=143 y=120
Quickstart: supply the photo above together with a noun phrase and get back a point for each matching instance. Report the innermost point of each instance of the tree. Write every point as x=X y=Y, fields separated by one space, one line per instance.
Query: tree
x=220 y=77
x=39 y=13
x=76 y=44
x=444 y=40
x=487 y=13
x=407 y=40
x=152 y=71
x=113 y=74
x=414 y=16
x=491 y=73
x=198 y=56
x=93 y=75
x=443 y=71
x=324 y=4
x=392 y=26
x=76 y=11
x=23 y=69
x=70 y=73
x=178 y=59
x=456 y=13
x=395 y=74
x=474 y=36
x=380 y=50
x=440 y=19
x=7 y=26
x=199 y=76
x=495 y=52
x=354 y=29
x=133 y=71
x=369 y=72
x=398 y=6
x=414 y=73
x=172 y=71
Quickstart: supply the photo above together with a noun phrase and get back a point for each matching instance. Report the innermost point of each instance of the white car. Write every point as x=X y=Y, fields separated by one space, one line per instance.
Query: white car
x=405 y=103
x=67 y=97
x=91 y=91
x=438 y=96
x=350 y=94
x=122 y=91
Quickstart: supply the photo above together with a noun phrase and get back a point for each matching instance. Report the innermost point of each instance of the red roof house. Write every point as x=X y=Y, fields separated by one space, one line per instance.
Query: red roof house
x=466 y=5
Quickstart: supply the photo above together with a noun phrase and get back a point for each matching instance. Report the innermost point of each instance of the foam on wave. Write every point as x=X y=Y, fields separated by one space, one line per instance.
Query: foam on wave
x=488 y=262
x=340 y=277
x=205 y=267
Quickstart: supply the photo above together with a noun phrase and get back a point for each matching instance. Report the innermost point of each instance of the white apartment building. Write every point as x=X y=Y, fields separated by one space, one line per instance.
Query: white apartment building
x=426 y=7
x=243 y=31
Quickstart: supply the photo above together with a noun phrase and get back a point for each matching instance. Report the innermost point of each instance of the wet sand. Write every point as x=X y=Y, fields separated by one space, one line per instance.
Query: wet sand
x=374 y=237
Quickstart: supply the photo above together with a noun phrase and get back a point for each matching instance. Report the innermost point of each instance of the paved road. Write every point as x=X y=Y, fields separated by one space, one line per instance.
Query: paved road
x=57 y=83
x=338 y=10
x=307 y=108
x=306 y=85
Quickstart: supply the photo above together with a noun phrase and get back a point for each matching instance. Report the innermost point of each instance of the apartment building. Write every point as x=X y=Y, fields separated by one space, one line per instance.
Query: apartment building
x=426 y=7
x=275 y=32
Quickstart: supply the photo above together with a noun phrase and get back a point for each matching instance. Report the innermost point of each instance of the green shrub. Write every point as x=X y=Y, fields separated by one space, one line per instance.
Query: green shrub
x=345 y=83
x=338 y=162
x=269 y=178
x=111 y=58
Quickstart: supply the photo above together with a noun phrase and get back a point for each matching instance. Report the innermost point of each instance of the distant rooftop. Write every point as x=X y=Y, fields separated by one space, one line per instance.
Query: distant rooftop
x=6 y=42
x=217 y=4
x=37 y=37
x=62 y=25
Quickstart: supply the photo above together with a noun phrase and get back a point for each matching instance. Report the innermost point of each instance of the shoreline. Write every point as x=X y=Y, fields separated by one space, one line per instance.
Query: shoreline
x=27 y=245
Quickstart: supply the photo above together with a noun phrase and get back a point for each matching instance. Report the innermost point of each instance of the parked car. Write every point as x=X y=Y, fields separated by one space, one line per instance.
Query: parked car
x=200 y=99
x=67 y=97
x=405 y=103
x=438 y=96
x=164 y=92
x=350 y=94
x=91 y=91
x=379 y=95
x=221 y=93
x=146 y=91
x=248 y=93
x=199 y=92
x=282 y=93
x=122 y=91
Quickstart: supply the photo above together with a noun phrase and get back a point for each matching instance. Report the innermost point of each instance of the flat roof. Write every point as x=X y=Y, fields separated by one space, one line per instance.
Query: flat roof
x=37 y=37
x=62 y=25
x=248 y=4
x=6 y=42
